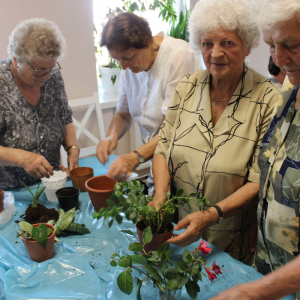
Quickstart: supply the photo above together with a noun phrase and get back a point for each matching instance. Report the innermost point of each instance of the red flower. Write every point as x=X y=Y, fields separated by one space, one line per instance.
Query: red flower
x=211 y=275
x=203 y=248
x=216 y=268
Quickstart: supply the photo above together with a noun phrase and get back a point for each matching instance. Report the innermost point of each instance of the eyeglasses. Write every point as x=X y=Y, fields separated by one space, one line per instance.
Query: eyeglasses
x=41 y=73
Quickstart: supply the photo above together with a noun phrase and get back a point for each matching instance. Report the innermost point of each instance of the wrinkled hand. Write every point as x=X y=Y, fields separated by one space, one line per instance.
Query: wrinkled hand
x=122 y=167
x=73 y=159
x=247 y=291
x=158 y=200
x=105 y=147
x=196 y=224
x=251 y=238
x=65 y=170
x=36 y=165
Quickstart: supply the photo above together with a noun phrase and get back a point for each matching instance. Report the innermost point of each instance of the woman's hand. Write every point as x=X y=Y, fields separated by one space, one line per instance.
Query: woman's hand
x=105 y=147
x=122 y=166
x=158 y=201
x=35 y=165
x=73 y=155
x=196 y=224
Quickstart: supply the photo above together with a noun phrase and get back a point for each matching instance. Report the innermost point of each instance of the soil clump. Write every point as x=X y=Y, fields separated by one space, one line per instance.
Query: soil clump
x=39 y=214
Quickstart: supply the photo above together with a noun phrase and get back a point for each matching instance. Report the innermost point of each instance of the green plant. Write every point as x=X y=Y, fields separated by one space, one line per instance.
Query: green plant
x=113 y=64
x=65 y=223
x=161 y=270
x=133 y=202
x=179 y=31
x=39 y=233
x=37 y=195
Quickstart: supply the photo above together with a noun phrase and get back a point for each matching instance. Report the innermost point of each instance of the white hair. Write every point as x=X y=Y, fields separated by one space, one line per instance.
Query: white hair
x=210 y=16
x=273 y=13
x=36 y=39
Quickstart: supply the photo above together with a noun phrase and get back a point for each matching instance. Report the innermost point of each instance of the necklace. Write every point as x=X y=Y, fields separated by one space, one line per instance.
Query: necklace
x=217 y=101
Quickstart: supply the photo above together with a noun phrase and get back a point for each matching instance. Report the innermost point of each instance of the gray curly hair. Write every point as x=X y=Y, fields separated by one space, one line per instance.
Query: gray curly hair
x=36 y=39
x=209 y=16
x=273 y=13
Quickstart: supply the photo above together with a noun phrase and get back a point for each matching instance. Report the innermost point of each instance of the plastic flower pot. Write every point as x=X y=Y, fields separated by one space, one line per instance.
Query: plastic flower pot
x=57 y=181
x=35 y=251
x=100 y=189
x=1 y=200
x=68 y=197
x=80 y=175
x=168 y=294
x=158 y=239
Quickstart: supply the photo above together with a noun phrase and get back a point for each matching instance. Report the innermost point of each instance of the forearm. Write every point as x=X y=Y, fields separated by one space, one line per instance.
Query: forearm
x=283 y=281
x=70 y=136
x=238 y=202
x=119 y=125
x=11 y=157
x=147 y=150
x=161 y=175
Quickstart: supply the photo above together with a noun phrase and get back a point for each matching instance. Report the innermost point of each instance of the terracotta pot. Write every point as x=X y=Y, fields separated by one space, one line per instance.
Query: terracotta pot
x=158 y=239
x=1 y=200
x=100 y=189
x=68 y=197
x=80 y=175
x=36 y=251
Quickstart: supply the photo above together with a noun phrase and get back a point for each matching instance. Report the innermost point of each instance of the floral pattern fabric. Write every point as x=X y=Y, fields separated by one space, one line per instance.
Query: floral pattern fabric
x=215 y=161
x=39 y=129
x=279 y=165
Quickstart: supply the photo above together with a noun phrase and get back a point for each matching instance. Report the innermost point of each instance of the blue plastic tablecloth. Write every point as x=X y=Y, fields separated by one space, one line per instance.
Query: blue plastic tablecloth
x=80 y=267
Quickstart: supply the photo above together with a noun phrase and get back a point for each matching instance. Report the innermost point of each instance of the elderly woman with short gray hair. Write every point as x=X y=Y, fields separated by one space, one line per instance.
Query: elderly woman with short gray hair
x=35 y=119
x=215 y=121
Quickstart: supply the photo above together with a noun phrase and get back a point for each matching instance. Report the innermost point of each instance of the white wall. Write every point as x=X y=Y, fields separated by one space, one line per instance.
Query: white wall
x=75 y=20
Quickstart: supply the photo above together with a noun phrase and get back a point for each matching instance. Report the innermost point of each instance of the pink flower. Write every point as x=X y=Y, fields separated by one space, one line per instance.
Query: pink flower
x=203 y=248
x=216 y=268
x=211 y=275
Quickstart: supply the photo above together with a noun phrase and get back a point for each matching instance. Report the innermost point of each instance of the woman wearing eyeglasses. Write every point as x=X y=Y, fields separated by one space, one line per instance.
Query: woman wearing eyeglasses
x=35 y=119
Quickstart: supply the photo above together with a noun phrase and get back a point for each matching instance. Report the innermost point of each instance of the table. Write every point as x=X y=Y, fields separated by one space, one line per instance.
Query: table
x=80 y=267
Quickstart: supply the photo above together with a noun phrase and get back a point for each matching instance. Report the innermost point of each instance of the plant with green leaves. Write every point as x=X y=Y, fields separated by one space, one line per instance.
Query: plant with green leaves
x=37 y=195
x=179 y=31
x=39 y=233
x=133 y=203
x=165 y=274
x=65 y=223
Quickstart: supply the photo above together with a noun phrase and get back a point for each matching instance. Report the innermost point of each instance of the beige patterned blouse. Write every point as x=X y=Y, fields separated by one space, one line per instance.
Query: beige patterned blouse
x=217 y=161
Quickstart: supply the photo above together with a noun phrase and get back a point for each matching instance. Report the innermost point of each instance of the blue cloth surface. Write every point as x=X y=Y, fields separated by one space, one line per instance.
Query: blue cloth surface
x=95 y=164
x=80 y=267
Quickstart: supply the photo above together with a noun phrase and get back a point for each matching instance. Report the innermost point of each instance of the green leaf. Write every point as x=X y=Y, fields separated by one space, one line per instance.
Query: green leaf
x=147 y=209
x=135 y=246
x=128 y=232
x=139 y=259
x=179 y=192
x=125 y=282
x=113 y=263
x=162 y=249
x=168 y=195
x=170 y=273
x=147 y=235
x=182 y=279
x=166 y=255
x=154 y=273
x=119 y=219
x=192 y=289
x=25 y=226
x=138 y=291
x=172 y=285
x=182 y=265
x=40 y=234
x=110 y=222
x=187 y=256
x=66 y=219
x=78 y=228
x=193 y=271
x=115 y=254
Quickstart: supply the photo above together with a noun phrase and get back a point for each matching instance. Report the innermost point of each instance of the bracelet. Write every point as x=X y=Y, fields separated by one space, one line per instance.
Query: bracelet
x=73 y=147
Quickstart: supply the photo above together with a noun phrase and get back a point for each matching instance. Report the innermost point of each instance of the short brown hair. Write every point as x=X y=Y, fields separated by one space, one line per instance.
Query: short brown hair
x=124 y=31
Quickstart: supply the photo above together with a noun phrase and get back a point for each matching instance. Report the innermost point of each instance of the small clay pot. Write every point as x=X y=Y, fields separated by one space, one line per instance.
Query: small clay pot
x=36 y=251
x=68 y=197
x=158 y=239
x=1 y=200
x=80 y=175
x=100 y=189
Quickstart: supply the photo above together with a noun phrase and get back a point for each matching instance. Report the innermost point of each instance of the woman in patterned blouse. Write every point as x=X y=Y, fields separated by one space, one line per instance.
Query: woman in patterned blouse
x=35 y=119
x=209 y=141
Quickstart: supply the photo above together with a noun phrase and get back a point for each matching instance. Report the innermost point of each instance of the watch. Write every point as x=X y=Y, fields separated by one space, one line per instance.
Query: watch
x=221 y=216
x=140 y=157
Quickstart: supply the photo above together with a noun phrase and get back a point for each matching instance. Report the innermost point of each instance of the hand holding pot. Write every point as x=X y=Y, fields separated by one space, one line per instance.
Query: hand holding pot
x=196 y=223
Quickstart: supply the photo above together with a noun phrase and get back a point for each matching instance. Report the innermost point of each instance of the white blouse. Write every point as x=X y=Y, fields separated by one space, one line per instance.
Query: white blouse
x=146 y=95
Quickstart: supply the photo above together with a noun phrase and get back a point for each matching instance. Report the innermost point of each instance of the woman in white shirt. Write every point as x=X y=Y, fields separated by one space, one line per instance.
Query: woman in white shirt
x=152 y=67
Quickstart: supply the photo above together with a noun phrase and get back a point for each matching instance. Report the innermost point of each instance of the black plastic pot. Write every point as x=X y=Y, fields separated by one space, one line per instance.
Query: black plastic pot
x=68 y=197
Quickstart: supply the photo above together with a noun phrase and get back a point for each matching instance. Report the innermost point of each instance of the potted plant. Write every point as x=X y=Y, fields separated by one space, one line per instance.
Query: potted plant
x=38 y=240
x=167 y=276
x=133 y=203
x=110 y=76
x=38 y=213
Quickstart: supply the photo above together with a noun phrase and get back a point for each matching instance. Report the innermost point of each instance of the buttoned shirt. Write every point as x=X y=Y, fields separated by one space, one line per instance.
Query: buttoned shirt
x=215 y=161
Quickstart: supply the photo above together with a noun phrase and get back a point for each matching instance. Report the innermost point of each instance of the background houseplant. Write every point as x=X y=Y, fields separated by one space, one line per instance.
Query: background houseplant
x=166 y=275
